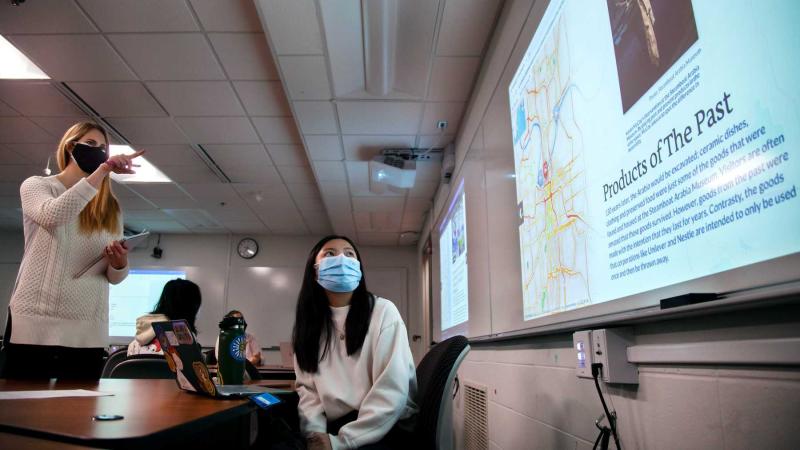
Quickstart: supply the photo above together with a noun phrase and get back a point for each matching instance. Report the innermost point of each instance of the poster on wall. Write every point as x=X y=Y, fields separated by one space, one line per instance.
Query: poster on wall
x=453 y=263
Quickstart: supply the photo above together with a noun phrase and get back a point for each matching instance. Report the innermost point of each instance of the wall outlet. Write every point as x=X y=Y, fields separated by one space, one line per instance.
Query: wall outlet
x=582 y=344
x=610 y=348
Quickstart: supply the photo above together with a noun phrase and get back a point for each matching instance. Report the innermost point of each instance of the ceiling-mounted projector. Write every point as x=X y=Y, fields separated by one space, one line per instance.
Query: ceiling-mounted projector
x=391 y=170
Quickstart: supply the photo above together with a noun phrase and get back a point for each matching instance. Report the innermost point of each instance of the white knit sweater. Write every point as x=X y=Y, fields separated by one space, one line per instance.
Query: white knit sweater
x=379 y=381
x=49 y=306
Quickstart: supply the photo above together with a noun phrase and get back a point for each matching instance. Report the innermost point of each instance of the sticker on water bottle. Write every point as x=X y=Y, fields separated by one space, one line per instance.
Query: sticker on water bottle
x=265 y=400
x=238 y=347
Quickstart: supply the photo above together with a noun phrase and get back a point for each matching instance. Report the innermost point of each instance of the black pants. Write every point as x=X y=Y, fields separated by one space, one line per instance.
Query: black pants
x=22 y=361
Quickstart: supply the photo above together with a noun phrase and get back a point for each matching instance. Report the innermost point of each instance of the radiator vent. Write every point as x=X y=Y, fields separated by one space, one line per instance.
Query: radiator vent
x=476 y=414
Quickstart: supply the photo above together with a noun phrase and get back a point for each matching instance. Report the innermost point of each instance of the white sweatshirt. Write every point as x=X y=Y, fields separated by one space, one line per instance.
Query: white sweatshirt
x=49 y=306
x=379 y=381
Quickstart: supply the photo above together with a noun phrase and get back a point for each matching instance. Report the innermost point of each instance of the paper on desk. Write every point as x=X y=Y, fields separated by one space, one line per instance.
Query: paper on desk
x=52 y=393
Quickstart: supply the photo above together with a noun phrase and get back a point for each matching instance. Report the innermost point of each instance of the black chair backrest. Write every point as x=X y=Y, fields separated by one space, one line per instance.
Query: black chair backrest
x=112 y=360
x=432 y=374
x=252 y=371
x=143 y=367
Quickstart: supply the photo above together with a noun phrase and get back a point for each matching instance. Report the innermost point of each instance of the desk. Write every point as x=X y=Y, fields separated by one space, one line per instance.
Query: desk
x=271 y=372
x=157 y=414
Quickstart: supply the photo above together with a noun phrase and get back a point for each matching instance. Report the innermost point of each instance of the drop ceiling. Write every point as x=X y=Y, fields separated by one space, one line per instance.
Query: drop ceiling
x=257 y=110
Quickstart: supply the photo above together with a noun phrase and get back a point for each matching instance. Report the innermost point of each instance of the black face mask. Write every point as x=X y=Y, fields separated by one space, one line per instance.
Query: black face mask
x=89 y=158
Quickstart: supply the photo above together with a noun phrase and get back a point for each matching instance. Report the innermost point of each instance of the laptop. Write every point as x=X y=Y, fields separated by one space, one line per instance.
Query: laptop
x=184 y=357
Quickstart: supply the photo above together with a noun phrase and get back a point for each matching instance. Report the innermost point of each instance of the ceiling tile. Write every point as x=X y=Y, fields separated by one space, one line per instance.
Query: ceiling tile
x=318 y=225
x=435 y=141
x=377 y=238
x=79 y=57
x=44 y=16
x=238 y=154
x=378 y=204
x=379 y=117
x=465 y=27
x=316 y=117
x=288 y=222
x=218 y=130
x=287 y=155
x=297 y=189
x=133 y=203
x=342 y=223
x=424 y=189
x=330 y=171
x=157 y=190
x=413 y=221
x=57 y=126
x=246 y=227
x=309 y=203
x=452 y=78
x=364 y=148
x=140 y=15
x=252 y=172
x=158 y=226
x=418 y=204
x=409 y=237
x=337 y=204
x=177 y=203
x=306 y=77
x=231 y=212
x=172 y=155
x=277 y=130
x=36 y=98
x=230 y=15
x=263 y=98
x=6 y=110
x=434 y=112
x=293 y=26
x=324 y=147
x=169 y=56
x=212 y=192
x=197 y=98
x=19 y=130
x=296 y=174
x=34 y=153
x=118 y=99
x=245 y=56
x=198 y=173
x=429 y=171
x=334 y=188
x=259 y=196
x=149 y=130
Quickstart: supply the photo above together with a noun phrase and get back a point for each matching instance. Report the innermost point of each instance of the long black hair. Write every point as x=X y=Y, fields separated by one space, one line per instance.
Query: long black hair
x=180 y=299
x=313 y=322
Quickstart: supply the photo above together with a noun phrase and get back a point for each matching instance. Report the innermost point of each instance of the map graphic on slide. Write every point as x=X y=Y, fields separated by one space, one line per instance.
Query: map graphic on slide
x=551 y=187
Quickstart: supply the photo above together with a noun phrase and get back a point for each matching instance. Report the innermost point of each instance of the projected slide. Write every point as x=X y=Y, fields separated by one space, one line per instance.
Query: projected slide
x=136 y=296
x=453 y=261
x=655 y=142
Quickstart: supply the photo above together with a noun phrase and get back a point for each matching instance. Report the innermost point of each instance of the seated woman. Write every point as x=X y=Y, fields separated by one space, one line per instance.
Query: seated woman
x=355 y=374
x=180 y=299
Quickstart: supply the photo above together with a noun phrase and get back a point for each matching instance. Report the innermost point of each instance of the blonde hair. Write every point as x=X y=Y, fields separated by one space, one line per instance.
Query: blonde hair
x=102 y=212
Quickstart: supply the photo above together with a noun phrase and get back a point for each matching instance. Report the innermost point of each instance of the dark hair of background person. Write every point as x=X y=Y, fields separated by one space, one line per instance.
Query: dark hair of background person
x=180 y=299
x=313 y=320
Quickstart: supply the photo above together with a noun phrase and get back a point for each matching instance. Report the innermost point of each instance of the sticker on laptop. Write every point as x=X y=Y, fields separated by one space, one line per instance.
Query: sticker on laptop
x=203 y=376
x=183 y=333
x=173 y=341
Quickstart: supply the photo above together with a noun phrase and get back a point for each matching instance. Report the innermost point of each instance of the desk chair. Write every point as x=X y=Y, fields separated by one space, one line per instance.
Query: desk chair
x=112 y=360
x=143 y=367
x=435 y=377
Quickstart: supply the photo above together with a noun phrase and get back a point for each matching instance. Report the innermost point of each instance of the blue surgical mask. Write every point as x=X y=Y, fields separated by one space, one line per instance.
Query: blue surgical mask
x=339 y=273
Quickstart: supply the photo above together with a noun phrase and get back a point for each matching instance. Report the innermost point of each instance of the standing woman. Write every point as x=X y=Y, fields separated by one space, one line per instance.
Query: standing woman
x=58 y=324
x=355 y=373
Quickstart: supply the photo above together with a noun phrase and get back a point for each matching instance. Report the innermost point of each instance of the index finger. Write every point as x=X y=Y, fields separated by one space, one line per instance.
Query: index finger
x=136 y=154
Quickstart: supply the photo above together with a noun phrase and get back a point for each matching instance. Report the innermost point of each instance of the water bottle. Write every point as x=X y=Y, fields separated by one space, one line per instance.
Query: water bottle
x=232 y=346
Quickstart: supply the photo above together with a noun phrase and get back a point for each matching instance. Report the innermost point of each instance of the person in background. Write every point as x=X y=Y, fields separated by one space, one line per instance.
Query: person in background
x=252 y=349
x=180 y=299
x=57 y=324
x=355 y=374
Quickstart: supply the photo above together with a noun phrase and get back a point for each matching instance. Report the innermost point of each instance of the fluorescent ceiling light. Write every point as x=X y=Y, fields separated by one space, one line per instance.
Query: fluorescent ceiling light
x=16 y=66
x=379 y=19
x=147 y=173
